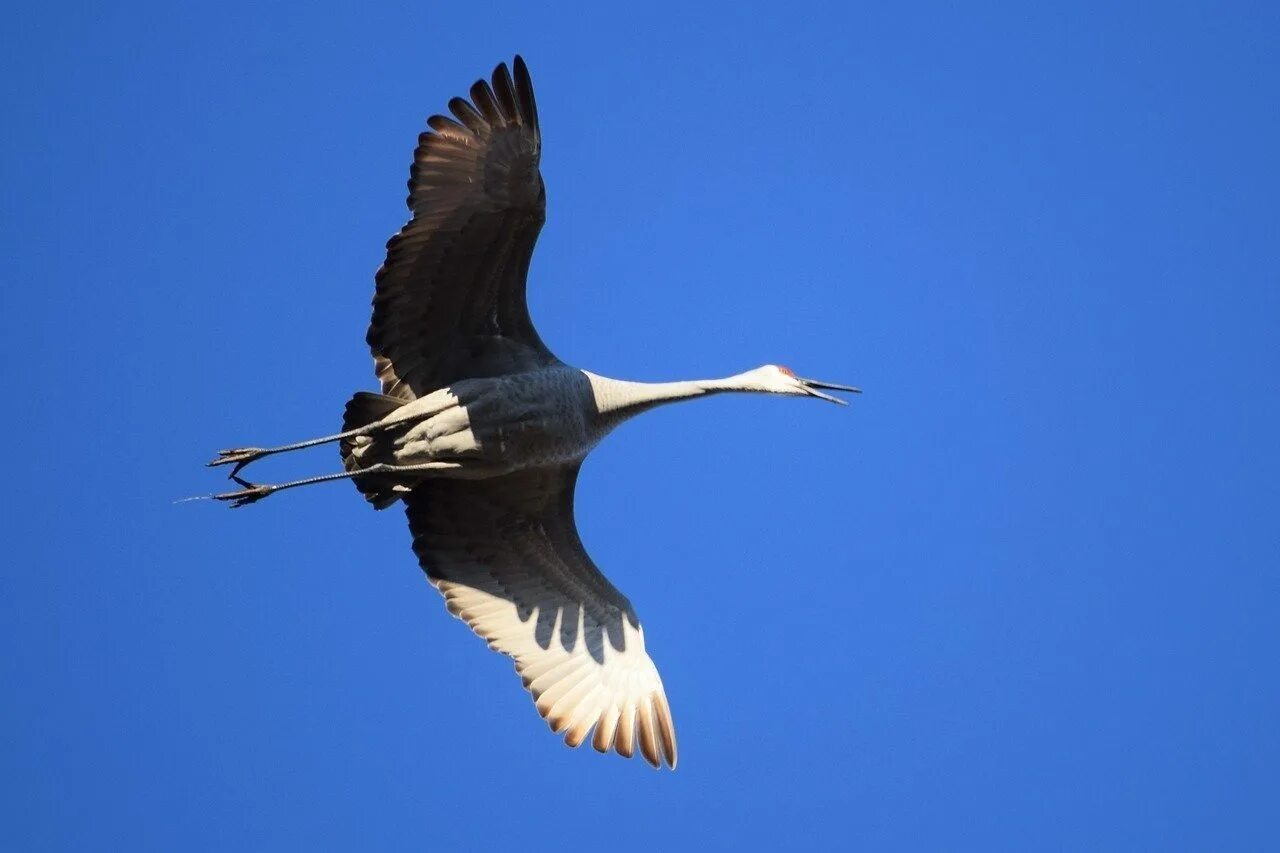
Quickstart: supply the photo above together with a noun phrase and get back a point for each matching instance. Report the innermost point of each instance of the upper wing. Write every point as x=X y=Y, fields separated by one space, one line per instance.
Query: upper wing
x=506 y=555
x=450 y=297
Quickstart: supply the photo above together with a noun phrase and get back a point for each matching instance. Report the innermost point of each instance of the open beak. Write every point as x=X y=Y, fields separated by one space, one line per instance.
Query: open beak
x=812 y=386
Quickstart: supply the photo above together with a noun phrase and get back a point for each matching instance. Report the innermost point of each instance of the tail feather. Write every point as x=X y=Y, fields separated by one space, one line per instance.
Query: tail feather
x=363 y=409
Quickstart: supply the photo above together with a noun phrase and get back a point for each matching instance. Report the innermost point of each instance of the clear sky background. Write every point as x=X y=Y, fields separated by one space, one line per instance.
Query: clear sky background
x=1022 y=594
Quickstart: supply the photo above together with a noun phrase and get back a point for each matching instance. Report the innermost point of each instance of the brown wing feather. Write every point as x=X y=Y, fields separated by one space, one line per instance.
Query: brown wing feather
x=506 y=555
x=450 y=297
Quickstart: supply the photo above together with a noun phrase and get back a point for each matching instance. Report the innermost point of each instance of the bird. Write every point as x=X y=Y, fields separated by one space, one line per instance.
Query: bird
x=479 y=431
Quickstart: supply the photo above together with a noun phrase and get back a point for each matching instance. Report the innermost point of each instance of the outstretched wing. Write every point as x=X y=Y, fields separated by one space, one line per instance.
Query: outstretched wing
x=450 y=297
x=506 y=555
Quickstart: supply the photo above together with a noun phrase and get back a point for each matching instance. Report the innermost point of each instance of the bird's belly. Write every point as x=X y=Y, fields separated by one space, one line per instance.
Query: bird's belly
x=487 y=446
x=535 y=444
x=537 y=439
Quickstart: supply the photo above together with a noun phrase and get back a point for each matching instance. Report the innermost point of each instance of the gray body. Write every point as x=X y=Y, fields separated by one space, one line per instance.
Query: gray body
x=543 y=418
x=492 y=426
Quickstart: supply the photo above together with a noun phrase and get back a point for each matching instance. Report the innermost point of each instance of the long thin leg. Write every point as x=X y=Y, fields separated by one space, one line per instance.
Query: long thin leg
x=242 y=456
x=253 y=492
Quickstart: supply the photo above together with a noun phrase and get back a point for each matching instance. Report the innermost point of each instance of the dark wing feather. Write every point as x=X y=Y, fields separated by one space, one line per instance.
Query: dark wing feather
x=505 y=554
x=450 y=297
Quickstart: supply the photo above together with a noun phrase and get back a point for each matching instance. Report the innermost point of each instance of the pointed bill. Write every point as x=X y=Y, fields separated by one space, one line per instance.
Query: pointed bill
x=812 y=386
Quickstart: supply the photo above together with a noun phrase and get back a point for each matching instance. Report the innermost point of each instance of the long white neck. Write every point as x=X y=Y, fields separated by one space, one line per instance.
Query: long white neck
x=618 y=399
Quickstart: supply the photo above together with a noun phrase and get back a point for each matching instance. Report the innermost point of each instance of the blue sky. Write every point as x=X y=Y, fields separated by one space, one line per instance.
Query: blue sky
x=1021 y=595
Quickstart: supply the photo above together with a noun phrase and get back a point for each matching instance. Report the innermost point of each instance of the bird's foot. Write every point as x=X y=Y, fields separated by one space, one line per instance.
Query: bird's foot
x=251 y=493
x=238 y=456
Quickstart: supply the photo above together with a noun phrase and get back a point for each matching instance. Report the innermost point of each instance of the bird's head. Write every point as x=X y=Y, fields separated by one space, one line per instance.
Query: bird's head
x=776 y=379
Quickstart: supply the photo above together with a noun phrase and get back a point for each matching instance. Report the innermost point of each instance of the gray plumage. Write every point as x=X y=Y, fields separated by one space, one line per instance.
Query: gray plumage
x=480 y=430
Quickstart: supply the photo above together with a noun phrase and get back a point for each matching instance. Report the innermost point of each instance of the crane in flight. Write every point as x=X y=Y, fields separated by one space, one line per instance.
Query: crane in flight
x=479 y=430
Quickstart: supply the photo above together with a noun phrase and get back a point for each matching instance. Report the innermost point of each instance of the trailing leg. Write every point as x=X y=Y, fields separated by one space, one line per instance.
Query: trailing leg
x=254 y=492
x=242 y=456
x=363 y=416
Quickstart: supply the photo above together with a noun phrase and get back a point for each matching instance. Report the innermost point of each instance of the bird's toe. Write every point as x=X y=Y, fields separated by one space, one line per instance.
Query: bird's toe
x=236 y=455
x=251 y=493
